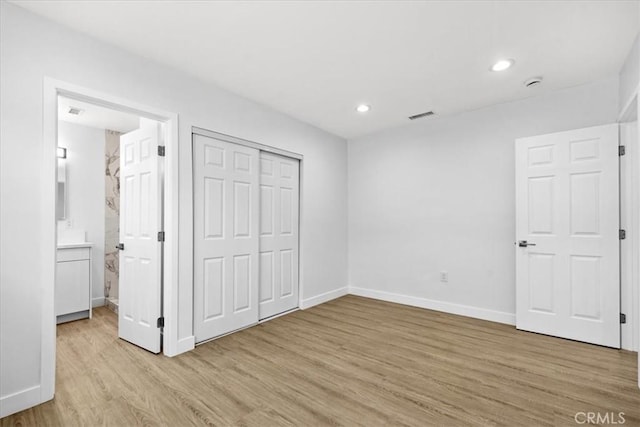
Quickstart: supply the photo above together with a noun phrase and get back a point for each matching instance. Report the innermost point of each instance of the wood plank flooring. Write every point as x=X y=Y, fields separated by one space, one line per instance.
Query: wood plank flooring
x=352 y=361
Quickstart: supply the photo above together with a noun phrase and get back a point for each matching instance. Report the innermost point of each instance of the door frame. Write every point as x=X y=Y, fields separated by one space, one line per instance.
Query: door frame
x=630 y=210
x=246 y=143
x=630 y=112
x=260 y=147
x=53 y=88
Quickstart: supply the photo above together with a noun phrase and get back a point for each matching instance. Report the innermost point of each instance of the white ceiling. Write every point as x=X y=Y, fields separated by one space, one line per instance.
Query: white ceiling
x=317 y=60
x=96 y=117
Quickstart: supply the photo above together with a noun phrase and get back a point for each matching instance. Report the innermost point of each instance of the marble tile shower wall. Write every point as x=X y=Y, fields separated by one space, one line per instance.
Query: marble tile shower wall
x=112 y=216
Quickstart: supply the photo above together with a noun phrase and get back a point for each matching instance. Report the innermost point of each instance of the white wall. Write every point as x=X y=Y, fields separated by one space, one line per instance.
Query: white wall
x=85 y=188
x=438 y=195
x=32 y=48
x=629 y=76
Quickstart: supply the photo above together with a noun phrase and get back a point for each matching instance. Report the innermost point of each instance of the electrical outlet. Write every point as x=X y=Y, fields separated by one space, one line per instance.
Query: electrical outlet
x=69 y=223
x=444 y=276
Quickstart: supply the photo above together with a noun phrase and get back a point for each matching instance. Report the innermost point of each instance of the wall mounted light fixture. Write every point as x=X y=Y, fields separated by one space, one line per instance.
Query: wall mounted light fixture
x=62 y=153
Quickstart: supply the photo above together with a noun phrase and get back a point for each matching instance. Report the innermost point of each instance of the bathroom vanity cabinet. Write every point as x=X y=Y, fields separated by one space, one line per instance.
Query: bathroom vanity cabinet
x=73 y=282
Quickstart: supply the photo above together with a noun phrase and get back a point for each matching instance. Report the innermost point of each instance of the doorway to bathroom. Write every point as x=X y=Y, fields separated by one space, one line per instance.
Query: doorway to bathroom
x=109 y=213
x=161 y=323
x=88 y=207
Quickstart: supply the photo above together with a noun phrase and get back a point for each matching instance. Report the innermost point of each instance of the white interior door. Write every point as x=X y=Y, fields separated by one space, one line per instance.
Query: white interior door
x=279 y=193
x=226 y=226
x=567 y=205
x=140 y=287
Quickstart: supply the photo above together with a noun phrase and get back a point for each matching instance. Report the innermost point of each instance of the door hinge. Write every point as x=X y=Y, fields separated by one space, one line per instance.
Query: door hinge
x=161 y=150
x=622 y=234
x=160 y=322
x=621 y=150
x=623 y=318
x=160 y=236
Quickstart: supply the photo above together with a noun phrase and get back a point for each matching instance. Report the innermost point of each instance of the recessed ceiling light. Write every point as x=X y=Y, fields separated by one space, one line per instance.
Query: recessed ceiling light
x=502 y=65
x=363 y=108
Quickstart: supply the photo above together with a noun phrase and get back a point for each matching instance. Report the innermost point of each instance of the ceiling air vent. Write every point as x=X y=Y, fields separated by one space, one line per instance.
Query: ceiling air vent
x=533 y=81
x=75 y=111
x=421 y=115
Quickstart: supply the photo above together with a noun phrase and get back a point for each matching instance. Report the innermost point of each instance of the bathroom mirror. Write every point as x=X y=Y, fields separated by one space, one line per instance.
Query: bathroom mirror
x=61 y=191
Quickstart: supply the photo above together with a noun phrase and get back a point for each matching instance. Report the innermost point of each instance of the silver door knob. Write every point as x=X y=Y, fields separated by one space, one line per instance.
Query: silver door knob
x=524 y=244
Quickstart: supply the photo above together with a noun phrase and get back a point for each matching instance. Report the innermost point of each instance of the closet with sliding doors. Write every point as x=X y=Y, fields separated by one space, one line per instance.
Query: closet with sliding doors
x=246 y=249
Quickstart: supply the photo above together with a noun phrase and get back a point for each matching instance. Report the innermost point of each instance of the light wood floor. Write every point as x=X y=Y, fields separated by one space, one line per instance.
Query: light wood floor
x=352 y=361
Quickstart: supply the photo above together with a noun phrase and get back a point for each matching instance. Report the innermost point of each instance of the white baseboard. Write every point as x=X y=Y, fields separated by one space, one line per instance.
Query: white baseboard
x=20 y=401
x=447 y=307
x=327 y=296
x=97 y=302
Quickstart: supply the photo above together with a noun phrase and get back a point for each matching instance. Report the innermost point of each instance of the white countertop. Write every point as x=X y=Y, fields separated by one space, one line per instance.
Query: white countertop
x=74 y=245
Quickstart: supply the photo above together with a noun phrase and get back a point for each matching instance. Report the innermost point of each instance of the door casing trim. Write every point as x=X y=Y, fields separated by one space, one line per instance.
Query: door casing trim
x=52 y=88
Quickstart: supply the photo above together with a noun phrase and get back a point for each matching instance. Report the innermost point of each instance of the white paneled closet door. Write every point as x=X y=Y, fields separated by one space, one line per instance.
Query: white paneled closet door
x=226 y=227
x=279 y=217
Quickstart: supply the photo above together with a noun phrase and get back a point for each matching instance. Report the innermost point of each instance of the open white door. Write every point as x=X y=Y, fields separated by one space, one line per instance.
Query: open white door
x=140 y=221
x=567 y=253
x=279 y=194
x=226 y=207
